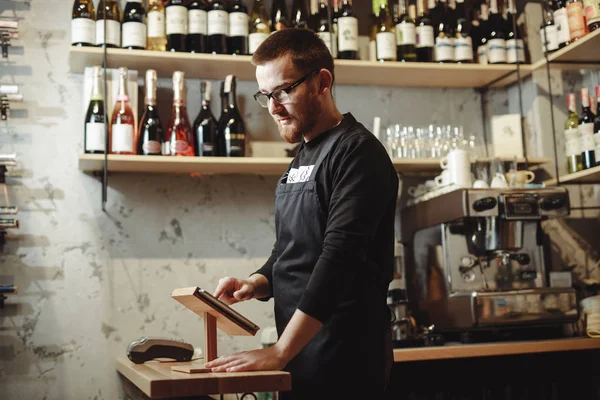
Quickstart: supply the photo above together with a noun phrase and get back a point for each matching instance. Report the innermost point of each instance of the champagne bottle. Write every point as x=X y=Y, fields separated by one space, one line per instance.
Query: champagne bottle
x=496 y=43
x=424 y=31
x=205 y=124
x=561 y=19
x=179 y=140
x=238 y=28
x=572 y=144
x=586 y=131
x=150 y=133
x=122 y=125
x=134 y=25
x=259 y=26
x=482 y=48
x=548 y=31
x=157 y=36
x=176 y=25
x=220 y=135
x=231 y=125
x=386 y=35
x=112 y=14
x=218 y=27
x=299 y=15
x=347 y=32
x=323 y=30
x=463 y=43
x=197 y=27
x=597 y=127
x=515 y=47
x=279 y=16
x=406 y=36
x=83 y=25
x=94 y=129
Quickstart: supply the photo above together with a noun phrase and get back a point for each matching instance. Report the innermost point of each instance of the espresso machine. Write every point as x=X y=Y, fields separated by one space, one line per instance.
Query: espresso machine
x=476 y=260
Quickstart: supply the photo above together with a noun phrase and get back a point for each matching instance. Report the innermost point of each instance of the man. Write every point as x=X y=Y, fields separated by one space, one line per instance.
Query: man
x=332 y=260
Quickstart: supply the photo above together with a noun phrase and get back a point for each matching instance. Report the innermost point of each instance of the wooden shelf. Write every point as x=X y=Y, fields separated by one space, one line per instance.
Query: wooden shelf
x=582 y=54
x=589 y=176
x=232 y=165
x=210 y=66
x=493 y=349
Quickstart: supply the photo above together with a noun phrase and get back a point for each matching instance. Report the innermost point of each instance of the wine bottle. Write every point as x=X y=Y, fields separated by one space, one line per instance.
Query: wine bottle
x=373 y=31
x=424 y=31
x=335 y=15
x=157 y=36
x=406 y=36
x=592 y=14
x=134 y=25
x=179 y=140
x=218 y=27
x=515 y=47
x=112 y=14
x=150 y=133
x=572 y=144
x=238 y=28
x=496 y=43
x=299 y=17
x=8 y=223
x=475 y=32
x=231 y=125
x=482 y=48
x=259 y=26
x=220 y=134
x=122 y=125
x=444 y=41
x=205 y=125
x=597 y=127
x=586 y=131
x=575 y=14
x=323 y=30
x=561 y=19
x=314 y=15
x=348 y=32
x=463 y=42
x=9 y=210
x=83 y=23
x=94 y=129
x=386 y=35
x=9 y=289
x=548 y=31
x=279 y=16
x=176 y=25
x=197 y=27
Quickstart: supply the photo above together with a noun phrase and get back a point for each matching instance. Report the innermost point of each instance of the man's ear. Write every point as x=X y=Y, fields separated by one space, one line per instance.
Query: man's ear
x=325 y=80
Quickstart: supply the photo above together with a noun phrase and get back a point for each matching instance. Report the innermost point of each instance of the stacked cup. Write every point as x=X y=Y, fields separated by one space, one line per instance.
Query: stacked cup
x=456 y=169
x=591 y=309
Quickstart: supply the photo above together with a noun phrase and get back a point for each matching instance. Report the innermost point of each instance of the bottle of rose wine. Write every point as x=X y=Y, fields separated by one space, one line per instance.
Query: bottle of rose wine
x=176 y=25
x=150 y=133
x=110 y=14
x=94 y=130
x=122 y=125
x=205 y=124
x=179 y=140
x=83 y=25
x=134 y=25
x=259 y=26
x=157 y=37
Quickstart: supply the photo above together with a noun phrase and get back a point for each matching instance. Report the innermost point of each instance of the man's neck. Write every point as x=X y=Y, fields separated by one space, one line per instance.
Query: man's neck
x=328 y=119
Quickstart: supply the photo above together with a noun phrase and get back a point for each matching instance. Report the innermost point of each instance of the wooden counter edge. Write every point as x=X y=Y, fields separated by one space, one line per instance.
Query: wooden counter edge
x=493 y=349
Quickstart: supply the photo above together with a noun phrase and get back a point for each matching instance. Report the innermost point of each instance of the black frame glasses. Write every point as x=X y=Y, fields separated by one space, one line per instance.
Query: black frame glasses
x=281 y=95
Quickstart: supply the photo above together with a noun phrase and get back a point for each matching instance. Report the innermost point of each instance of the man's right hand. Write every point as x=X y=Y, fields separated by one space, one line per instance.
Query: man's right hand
x=232 y=290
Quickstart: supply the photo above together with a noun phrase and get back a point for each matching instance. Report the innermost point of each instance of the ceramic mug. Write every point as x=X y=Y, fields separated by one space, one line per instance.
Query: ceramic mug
x=458 y=165
x=519 y=178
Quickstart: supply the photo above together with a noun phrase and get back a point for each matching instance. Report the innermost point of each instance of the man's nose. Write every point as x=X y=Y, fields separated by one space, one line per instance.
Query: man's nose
x=275 y=107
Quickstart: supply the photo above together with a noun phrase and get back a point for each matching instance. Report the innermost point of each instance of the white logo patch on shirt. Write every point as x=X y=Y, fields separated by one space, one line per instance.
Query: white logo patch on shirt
x=302 y=174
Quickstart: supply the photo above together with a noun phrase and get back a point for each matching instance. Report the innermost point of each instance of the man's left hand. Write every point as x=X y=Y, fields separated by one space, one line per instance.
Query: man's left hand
x=269 y=359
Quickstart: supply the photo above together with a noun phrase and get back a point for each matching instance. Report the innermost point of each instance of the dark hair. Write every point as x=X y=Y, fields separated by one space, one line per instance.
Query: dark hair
x=307 y=50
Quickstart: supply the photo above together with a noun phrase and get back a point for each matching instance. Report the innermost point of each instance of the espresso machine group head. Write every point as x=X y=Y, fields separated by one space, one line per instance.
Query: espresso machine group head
x=475 y=259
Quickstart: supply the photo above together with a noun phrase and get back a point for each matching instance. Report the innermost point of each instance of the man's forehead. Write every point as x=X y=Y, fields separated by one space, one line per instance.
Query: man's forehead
x=276 y=73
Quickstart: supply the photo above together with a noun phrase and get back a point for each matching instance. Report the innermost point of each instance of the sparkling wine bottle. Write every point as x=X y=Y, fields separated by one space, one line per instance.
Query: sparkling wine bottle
x=205 y=124
x=232 y=127
x=134 y=25
x=95 y=121
x=122 y=125
x=348 y=32
x=157 y=37
x=179 y=140
x=218 y=27
x=150 y=133
x=586 y=131
x=197 y=27
x=108 y=10
x=83 y=25
x=572 y=143
x=176 y=25
x=259 y=26
x=238 y=28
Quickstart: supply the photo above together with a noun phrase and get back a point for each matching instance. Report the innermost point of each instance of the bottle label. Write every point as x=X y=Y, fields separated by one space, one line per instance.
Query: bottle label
x=515 y=51
x=496 y=51
x=83 y=30
x=255 y=39
x=561 y=20
x=134 y=34
x=326 y=37
x=156 y=24
x=238 y=24
x=122 y=138
x=424 y=36
x=386 y=46
x=151 y=147
x=576 y=19
x=482 y=54
x=586 y=137
x=550 y=35
x=597 y=142
x=94 y=137
x=592 y=11
x=197 y=22
x=444 y=49
x=572 y=146
x=348 y=34
x=406 y=34
x=113 y=32
x=463 y=48
x=176 y=20
x=217 y=22
x=179 y=147
x=208 y=147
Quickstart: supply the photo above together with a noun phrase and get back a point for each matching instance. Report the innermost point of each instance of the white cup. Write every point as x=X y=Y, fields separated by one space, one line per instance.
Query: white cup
x=458 y=165
x=442 y=179
x=499 y=181
x=520 y=178
x=480 y=184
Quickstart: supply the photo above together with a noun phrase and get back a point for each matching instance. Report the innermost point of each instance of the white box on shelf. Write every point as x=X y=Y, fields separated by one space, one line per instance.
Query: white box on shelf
x=507 y=140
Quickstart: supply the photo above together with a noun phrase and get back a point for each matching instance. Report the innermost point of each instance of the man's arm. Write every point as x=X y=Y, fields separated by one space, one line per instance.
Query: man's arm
x=266 y=272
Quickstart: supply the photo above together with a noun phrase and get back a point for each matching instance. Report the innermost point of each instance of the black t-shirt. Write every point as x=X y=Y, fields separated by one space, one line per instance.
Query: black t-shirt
x=357 y=187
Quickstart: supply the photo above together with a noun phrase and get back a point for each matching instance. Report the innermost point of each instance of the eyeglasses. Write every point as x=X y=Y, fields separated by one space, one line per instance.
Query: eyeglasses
x=281 y=96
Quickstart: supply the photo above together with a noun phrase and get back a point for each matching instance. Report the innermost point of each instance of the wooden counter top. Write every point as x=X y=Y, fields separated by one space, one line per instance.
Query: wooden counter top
x=157 y=381
x=493 y=349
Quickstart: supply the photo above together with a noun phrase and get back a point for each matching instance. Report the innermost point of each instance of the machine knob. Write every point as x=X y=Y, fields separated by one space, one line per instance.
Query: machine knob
x=552 y=203
x=484 y=204
x=522 y=258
